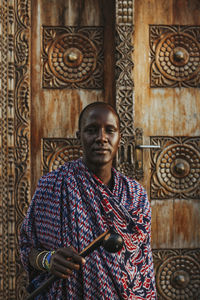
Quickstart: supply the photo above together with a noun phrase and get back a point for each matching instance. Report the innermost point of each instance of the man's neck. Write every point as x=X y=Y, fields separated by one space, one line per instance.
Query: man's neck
x=103 y=172
x=104 y=175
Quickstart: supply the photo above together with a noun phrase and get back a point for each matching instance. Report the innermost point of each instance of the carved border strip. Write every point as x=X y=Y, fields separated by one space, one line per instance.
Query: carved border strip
x=124 y=65
x=124 y=82
x=7 y=242
x=22 y=128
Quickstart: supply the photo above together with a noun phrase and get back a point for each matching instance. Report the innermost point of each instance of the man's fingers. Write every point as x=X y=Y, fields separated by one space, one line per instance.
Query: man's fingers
x=72 y=266
x=64 y=261
x=77 y=259
x=66 y=269
x=69 y=262
x=62 y=273
x=71 y=254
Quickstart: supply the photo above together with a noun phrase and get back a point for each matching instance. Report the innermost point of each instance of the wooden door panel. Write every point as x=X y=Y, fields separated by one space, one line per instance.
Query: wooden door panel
x=71 y=66
x=166 y=89
x=168 y=106
x=175 y=174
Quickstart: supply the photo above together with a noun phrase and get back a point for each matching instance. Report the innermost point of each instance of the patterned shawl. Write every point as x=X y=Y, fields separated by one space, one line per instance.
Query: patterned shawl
x=71 y=206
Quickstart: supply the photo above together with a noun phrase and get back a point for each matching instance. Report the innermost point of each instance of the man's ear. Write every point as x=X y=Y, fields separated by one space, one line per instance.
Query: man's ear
x=78 y=135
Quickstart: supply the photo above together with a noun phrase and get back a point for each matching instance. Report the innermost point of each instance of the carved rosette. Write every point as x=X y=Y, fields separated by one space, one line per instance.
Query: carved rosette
x=72 y=57
x=57 y=151
x=175 y=56
x=175 y=168
x=177 y=274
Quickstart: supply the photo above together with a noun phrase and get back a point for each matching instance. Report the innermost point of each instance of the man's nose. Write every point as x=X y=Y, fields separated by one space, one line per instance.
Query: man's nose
x=101 y=135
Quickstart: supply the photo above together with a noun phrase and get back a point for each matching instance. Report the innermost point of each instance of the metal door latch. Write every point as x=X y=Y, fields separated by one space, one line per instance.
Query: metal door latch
x=139 y=147
x=147 y=147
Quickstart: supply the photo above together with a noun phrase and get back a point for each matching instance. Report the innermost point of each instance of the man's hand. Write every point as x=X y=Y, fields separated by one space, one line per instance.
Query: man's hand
x=64 y=261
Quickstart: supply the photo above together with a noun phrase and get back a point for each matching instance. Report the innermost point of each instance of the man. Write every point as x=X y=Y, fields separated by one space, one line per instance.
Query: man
x=74 y=205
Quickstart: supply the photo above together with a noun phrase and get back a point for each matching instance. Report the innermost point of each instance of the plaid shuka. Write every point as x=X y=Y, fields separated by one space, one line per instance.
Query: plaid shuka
x=71 y=206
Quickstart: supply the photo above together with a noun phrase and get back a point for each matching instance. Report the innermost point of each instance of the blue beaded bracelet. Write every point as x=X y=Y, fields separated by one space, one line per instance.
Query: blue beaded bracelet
x=46 y=260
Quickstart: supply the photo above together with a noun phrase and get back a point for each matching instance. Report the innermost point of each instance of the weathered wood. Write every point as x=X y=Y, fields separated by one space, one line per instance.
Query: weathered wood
x=54 y=112
x=162 y=223
x=164 y=112
x=186 y=223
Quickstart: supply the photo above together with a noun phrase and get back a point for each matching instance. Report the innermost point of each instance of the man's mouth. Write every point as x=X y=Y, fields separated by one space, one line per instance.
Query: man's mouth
x=101 y=150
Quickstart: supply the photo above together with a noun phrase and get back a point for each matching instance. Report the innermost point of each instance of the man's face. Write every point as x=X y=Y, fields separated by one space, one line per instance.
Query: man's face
x=100 y=136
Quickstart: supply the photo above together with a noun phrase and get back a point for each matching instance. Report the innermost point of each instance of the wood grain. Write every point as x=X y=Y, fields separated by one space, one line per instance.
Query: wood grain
x=166 y=112
x=55 y=112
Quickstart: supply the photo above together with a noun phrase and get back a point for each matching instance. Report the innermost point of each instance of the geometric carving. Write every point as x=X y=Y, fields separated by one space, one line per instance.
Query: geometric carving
x=124 y=78
x=21 y=282
x=57 y=151
x=124 y=12
x=177 y=273
x=175 y=168
x=124 y=86
x=127 y=158
x=22 y=133
x=175 y=56
x=72 y=57
x=125 y=110
x=15 y=134
x=7 y=157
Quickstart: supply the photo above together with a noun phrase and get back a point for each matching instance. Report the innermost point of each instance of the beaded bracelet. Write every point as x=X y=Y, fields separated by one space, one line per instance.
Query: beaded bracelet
x=46 y=260
x=43 y=259
x=37 y=260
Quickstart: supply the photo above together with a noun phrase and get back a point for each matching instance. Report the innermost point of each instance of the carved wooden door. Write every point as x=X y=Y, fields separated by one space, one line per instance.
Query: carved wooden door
x=167 y=108
x=143 y=57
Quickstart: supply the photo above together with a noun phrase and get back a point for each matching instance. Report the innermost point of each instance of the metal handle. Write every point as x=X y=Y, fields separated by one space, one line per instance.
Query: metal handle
x=148 y=147
x=139 y=147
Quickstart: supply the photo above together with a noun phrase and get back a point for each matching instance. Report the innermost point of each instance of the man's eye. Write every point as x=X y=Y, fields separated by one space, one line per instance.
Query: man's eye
x=111 y=130
x=91 y=130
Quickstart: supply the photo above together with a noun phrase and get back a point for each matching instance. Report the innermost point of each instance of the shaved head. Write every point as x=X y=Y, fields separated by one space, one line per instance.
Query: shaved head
x=95 y=105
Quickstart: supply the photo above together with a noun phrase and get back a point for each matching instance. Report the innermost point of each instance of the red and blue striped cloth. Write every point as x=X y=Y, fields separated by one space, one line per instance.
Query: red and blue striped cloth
x=71 y=206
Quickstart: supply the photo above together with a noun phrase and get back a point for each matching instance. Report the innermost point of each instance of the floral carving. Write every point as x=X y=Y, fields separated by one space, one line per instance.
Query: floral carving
x=175 y=56
x=177 y=273
x=55 y=152
x=175 y=168
x=73 y=57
